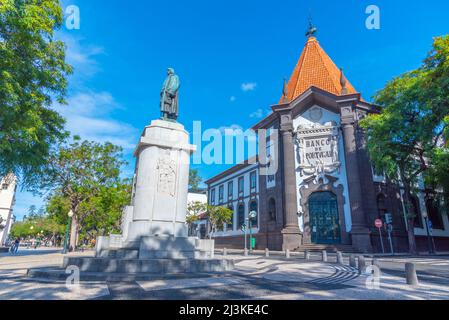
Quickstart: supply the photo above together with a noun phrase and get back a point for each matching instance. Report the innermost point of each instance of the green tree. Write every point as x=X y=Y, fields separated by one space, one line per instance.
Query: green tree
x=438 y=177
x=194 y=209
x=78 y=174
x=218 y=216
x=101 y=214
x=38 y=226
x=33 y=75
x=436 y=92
x=403 y=138
x=194 y=180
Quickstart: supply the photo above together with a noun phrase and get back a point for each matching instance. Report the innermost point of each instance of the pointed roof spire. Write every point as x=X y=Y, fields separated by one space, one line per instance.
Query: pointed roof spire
x=312 y=29
x=343 y=82
x=315 y=68
x=285 y=92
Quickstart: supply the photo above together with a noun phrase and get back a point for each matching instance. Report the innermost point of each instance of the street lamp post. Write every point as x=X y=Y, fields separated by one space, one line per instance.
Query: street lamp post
x=67 y=231
x=429 y=241
x=251 y=216
x=244 y=229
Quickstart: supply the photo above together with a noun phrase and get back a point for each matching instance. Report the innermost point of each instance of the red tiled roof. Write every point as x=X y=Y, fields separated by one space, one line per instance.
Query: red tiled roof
x=315 y=68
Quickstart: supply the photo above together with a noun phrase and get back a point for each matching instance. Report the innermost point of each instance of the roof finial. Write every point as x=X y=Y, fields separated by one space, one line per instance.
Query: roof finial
x=312 y=29
x=285 y=92
x=343 y=82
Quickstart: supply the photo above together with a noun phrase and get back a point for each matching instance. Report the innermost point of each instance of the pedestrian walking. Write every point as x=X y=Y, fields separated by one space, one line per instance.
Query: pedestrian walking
x=15 y=246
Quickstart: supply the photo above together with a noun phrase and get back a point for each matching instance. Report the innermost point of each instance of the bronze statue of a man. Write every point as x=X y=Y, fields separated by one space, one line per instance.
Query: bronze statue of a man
x=169 y=96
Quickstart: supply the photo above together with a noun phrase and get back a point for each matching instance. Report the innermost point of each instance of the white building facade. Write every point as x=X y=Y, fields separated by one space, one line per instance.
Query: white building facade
x=7 y=200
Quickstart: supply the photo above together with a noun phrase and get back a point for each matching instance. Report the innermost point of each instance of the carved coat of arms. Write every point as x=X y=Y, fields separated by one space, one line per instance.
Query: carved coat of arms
x=167 y=176
x=318 y=149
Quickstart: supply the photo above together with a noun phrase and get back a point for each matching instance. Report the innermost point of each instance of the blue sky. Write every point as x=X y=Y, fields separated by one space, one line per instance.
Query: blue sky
x=231 y=56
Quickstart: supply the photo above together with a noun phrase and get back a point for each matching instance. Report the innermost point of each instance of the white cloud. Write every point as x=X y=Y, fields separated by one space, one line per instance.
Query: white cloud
x=81 y=56
x=230 y=129
x=248 y=86
x=89 y=115
x=257 y=114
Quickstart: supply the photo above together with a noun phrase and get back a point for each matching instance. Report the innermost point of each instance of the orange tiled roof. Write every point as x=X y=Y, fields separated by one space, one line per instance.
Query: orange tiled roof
x=315 y=68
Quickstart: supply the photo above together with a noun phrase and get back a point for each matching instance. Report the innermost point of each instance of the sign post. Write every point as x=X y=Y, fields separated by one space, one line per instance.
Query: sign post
x=379 y=224
x=389 y=222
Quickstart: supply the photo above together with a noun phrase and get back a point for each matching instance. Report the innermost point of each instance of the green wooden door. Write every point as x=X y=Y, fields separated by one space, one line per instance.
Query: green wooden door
x=324 y=218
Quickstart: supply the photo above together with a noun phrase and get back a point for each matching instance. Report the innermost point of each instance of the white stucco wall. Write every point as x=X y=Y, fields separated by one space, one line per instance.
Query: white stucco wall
x=327 y=116
x=6 y=204
x=245 y=173
x=196 y=197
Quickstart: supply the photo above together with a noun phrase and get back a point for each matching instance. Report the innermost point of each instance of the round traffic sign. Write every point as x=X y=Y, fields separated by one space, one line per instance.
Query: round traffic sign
x=378 y=223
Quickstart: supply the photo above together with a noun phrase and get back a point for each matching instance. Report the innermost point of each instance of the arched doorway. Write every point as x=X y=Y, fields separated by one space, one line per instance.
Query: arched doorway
x=324 y=218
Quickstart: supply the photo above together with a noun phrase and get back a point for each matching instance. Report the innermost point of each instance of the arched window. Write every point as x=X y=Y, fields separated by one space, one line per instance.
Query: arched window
x=241 y=215
x=272 y=209
x=417 y=211
x=381 y=207
x=253 y=207
x=230 y=225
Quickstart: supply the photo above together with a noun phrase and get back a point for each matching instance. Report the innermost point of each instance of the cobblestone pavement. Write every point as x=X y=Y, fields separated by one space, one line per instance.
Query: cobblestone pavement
x=255 y=277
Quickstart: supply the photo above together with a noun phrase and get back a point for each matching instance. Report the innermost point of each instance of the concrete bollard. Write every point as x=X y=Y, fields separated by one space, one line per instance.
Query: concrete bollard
x=307 y=255
x=287 y=254
x=245 y=253
x=352 y=261
x=324 y=255
x=362 y=264
x=225 y=252
x=339 y=258
x=410 y=274
x=267 y=253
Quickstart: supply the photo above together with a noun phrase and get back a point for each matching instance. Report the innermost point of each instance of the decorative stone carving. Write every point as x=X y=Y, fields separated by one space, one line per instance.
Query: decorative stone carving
x=316 y=114
x=318 y=149
x=167 y=176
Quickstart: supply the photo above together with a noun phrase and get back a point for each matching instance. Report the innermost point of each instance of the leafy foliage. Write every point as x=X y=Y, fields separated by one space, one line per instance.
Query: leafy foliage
x=194 y=180
x=194 y=209
x=218 y=216
x=407 y=134
x=85 y=177
x=38 y=226
x=33 y=74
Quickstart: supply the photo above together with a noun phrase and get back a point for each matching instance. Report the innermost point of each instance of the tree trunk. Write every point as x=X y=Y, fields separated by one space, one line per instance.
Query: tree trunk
x=411 y=237
x=73 y=233
x=410 y=217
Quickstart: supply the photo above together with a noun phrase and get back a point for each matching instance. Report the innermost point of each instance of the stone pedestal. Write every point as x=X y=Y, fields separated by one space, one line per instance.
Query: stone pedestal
x=154 y=231
x=161 y=186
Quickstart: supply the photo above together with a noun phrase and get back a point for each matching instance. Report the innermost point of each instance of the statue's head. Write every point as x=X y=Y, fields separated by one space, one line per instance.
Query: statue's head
x=170 y=71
